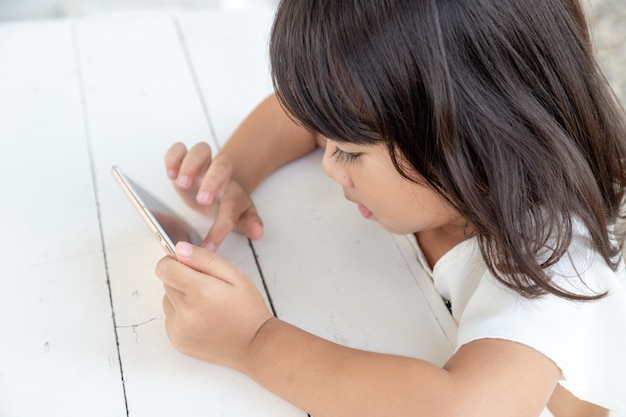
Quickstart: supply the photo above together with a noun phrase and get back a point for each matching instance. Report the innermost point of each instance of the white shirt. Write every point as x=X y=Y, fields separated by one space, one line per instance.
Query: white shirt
x=586 y=340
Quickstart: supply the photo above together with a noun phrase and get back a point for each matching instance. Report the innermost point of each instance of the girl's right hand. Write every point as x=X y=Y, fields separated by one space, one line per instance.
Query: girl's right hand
x=207 y=186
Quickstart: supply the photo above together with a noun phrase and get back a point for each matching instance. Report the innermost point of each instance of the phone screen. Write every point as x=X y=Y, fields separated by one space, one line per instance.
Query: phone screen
x=168 y=227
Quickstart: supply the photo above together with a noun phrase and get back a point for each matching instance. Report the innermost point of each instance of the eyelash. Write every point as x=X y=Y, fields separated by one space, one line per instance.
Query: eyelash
x=345 y=158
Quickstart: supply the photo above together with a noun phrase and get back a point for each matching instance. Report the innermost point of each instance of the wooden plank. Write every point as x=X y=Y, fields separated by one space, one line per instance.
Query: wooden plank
x=333 y=273
x=140 y=98
x=231 y=64
x=327 y=270
x=58 y=355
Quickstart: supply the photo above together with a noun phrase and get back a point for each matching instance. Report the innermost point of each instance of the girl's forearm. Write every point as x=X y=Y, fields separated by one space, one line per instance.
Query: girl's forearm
x=266 y=140
x=326 y=379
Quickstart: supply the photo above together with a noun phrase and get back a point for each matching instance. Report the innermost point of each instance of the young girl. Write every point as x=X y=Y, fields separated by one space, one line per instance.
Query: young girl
x=482 y=127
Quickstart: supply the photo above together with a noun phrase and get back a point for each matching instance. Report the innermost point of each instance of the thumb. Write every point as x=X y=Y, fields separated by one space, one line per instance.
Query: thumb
x=251 y=224
x=208 y=262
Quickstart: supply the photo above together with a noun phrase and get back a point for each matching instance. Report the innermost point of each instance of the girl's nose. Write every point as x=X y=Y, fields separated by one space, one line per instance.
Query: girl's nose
x=333 y=169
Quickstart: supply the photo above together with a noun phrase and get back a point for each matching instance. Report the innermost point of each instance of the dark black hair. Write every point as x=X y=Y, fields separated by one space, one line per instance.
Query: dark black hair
x=498 y=105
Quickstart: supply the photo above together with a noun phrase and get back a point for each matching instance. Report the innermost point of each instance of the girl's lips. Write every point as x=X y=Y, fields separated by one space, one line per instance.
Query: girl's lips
x=365 y=211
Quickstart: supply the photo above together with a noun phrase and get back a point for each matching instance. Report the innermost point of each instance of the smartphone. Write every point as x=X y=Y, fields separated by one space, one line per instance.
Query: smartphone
x=166 y=225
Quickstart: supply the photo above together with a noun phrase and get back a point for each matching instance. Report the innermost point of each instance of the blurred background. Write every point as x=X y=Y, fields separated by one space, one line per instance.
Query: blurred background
x=607 y=18
x=38 y=9
x=608 y=28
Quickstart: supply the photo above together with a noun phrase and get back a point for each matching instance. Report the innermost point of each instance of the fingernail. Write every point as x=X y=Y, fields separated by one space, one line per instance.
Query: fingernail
x=171 y=174
x=183 y=248
x=210 y=246
x=204 y=197
x=184 y=181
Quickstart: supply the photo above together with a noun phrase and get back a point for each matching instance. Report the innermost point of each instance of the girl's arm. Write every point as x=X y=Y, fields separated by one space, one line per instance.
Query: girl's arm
x=266 y=140
x=484 y=378
x=214 y=313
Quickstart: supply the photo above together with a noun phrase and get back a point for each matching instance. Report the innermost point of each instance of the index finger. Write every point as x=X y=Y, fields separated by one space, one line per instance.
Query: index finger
x=174 y=158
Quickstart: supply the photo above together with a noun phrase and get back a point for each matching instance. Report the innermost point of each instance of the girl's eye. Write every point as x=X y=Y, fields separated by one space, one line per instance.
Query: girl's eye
x=345 y=158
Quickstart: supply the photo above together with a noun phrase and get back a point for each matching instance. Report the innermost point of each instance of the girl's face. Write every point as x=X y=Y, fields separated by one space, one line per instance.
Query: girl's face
x=370 y=180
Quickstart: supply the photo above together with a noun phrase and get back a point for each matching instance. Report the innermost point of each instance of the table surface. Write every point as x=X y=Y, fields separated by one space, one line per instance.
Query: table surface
x=80 y=311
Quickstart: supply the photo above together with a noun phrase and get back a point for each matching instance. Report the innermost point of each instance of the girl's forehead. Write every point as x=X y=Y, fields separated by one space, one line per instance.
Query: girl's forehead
x=347 y=143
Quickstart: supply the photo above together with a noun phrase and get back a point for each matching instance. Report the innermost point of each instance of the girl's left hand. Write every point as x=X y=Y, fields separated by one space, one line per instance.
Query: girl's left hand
x=212 y=309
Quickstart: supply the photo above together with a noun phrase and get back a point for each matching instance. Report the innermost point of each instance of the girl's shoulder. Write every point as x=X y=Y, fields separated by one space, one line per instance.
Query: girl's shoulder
x=587 y=340
x=581 y=270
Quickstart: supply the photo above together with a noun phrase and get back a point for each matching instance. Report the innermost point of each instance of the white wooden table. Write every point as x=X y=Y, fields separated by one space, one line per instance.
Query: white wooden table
x=81 y=326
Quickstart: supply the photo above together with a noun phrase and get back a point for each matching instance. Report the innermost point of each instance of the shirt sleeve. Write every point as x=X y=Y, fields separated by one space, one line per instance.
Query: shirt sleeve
x=586 y=340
